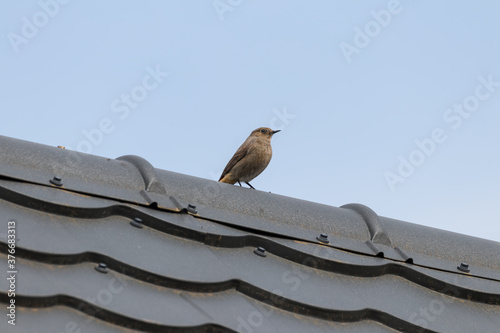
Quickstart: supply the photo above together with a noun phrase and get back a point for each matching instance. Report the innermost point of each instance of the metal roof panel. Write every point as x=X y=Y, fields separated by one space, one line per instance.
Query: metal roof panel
x=189 y=262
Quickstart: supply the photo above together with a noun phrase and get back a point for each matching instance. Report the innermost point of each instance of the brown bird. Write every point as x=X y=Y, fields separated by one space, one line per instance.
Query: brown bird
x=250 y=159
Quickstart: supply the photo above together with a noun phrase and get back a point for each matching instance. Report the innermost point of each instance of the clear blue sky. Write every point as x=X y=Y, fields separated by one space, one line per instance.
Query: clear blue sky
x=392 y=104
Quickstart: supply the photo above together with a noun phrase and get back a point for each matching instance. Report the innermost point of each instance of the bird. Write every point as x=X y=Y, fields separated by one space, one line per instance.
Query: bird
x=251 y=158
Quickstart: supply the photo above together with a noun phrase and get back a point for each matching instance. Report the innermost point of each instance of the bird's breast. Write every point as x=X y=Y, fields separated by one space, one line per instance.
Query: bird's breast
x=258 y=158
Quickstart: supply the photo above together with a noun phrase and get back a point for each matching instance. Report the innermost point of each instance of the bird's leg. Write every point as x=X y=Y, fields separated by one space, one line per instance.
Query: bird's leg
x=250 y=185
x=239 y=182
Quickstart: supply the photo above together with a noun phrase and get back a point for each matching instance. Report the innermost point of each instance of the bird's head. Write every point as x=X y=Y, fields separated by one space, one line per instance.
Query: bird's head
x=264 y=132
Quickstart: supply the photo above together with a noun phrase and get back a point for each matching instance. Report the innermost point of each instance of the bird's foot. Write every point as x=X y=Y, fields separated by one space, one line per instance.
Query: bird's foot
x=250 y=185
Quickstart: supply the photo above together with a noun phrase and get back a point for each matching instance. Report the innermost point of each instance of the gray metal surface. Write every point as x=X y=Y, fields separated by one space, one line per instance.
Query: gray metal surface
x=193 y=268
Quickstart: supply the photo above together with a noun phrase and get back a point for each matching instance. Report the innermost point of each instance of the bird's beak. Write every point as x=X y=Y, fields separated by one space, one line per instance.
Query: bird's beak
x=274 y=132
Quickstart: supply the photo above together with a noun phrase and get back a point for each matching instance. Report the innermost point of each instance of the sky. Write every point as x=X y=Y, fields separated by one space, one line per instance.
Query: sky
x=391 y=104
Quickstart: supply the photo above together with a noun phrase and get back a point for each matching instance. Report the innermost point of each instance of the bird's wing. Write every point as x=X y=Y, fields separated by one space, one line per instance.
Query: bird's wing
x=240 y=153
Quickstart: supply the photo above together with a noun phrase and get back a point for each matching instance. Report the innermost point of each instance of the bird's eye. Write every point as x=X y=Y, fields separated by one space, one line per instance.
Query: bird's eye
x=263 y=131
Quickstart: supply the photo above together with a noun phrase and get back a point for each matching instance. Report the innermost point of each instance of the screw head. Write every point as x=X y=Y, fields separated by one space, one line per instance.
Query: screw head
x=260 y=251
x=101 y=268
x=56 y=180
x=323 y=238
x=137 y=222
x=464 y=267
x=192 y=209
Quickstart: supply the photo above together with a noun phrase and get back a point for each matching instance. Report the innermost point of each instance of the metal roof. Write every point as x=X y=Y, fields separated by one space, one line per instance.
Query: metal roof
x=116 y=245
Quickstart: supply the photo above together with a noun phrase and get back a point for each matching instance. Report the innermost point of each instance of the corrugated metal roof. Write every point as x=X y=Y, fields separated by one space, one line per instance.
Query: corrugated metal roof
x=189 y=262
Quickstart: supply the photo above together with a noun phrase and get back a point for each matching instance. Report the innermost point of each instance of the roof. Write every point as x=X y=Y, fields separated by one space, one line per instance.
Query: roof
x=116 y=245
